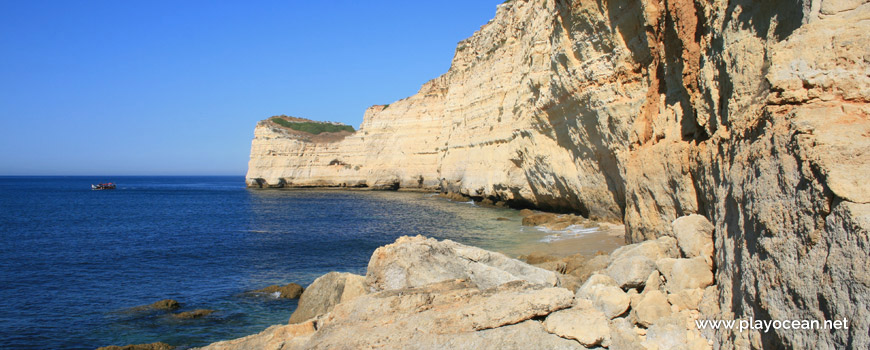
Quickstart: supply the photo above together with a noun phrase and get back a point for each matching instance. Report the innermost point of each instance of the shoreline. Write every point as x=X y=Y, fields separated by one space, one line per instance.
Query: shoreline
x=561 y=247
x=458 y=295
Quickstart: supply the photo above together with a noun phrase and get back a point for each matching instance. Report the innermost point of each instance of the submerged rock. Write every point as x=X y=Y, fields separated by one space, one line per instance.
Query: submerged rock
x=189 y=315
x=288 y=291
x=325 y=292
x=165 y=304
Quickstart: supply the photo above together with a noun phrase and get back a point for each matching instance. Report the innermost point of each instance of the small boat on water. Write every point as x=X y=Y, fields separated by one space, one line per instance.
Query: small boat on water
x=105 y=186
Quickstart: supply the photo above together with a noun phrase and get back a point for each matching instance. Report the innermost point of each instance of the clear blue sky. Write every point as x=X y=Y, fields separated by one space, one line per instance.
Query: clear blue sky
x=176 y=87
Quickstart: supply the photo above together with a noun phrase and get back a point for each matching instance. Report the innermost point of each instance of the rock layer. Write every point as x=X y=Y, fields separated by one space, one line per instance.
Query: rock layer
x=752 y=114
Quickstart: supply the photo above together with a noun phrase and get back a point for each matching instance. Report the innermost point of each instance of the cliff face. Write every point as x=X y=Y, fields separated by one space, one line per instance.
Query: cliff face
x=753 y=114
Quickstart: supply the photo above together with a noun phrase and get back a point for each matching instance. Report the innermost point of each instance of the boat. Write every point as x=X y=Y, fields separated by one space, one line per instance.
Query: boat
x=105 y=186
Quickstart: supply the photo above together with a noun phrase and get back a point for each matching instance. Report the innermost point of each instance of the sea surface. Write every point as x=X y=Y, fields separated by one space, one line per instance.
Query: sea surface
x=73 y=262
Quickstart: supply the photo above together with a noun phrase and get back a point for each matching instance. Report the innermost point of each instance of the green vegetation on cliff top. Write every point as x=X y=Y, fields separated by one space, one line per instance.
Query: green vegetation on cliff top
x=313 y=128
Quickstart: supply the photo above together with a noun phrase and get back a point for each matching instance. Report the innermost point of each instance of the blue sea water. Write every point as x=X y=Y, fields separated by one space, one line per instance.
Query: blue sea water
x=73 y=261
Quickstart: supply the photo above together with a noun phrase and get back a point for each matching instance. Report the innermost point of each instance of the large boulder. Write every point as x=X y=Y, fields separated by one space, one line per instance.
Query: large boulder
x=327 y=291
x=694 y=235
x=609 y=299
x=686 y=299
x=447 y=314
x=582 y=323
x=631 y=271
x=417 y=261
x=683 y=274
x=653 y=305
x=663 y=247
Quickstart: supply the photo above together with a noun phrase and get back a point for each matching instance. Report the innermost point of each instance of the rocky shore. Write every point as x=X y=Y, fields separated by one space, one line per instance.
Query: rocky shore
x=420 y=293
x=753 y=114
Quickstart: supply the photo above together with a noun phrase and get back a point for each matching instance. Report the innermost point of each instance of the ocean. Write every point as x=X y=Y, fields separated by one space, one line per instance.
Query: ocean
x=74 y=261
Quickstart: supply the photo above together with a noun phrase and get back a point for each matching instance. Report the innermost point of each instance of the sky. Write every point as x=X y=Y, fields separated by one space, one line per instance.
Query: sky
x=176 y=87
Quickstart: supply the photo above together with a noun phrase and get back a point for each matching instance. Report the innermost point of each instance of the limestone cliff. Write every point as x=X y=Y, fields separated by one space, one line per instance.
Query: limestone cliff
x=752 y=113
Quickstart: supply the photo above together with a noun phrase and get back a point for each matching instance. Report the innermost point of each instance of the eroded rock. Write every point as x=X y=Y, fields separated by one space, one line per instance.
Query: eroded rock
x=326 y=292
x=583 y=323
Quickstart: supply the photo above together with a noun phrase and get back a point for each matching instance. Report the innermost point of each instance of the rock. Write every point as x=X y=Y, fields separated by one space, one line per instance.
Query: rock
x=623 y=335
x=694 y=235
x=609 y=299
x=671 y=333
x=663 y=247
x=631 y=271
x=446 y=313
x=526 y=212
x=151 y=346
x=597 y=264
x=634 y=297
x=568 y=282
x=686 y=299
x=289 y=291
x=576 y=261
x=653 y=305
x=194 y=314
x=587 y=325
x=453 y=196
x=502 y=219
x=326 y=292
x=653 y=282
x=599 y=280
x=165 y=304
x=273 y=338
x=539 y=219
x=417 y=261
x=683 y=274
x=559 y=267
x=534 y=258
